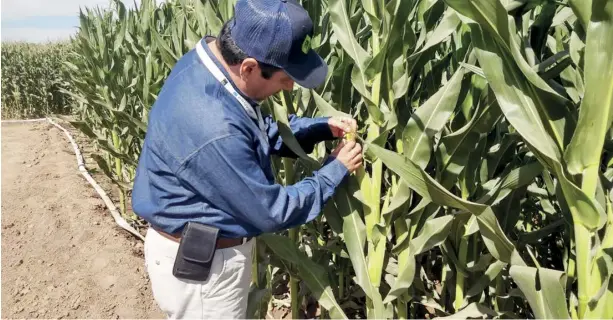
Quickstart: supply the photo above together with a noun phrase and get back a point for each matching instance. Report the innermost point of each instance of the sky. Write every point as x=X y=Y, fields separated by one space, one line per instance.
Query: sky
x=44 y=20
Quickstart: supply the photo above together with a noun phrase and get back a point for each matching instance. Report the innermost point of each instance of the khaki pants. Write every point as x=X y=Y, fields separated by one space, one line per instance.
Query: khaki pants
x=223 y=295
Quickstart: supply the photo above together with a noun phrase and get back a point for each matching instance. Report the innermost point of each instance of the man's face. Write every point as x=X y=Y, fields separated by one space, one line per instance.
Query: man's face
x=260 y=88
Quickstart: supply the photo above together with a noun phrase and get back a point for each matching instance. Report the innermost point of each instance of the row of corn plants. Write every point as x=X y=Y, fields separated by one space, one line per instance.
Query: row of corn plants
x=32 y=76
x=488 y=177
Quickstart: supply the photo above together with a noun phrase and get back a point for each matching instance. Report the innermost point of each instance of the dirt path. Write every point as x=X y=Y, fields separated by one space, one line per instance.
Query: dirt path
x=62 y=255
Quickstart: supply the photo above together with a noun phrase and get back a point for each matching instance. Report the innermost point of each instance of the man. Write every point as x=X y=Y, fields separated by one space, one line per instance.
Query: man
x=206 y=157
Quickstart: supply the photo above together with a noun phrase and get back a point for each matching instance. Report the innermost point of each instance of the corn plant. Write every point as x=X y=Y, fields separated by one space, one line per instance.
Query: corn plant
x=32 y=76
x=487 y=184
x=476 y=111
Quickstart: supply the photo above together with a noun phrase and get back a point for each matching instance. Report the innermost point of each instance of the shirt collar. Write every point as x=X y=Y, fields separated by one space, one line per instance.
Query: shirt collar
x=205 y=41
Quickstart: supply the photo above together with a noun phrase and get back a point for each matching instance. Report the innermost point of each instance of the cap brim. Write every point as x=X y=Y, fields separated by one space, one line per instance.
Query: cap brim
x=310 y=72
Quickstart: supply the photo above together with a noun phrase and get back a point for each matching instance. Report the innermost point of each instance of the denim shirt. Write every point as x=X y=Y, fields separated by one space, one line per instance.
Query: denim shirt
x=205 y=160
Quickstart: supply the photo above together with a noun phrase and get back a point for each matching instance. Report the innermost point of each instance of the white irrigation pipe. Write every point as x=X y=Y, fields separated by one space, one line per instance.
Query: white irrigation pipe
x=81 y=165
x=26 y=120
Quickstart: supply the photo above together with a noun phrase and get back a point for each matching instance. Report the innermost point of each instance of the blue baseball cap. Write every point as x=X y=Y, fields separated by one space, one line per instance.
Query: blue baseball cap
x=279 y=33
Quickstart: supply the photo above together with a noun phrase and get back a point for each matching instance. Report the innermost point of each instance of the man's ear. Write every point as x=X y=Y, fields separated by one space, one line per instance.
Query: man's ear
x=248 y=66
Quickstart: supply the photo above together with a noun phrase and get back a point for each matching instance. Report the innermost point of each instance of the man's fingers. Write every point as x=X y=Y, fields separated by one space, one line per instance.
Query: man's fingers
x=353 y=124
x=339 y=147
x=348 y=124
x=356 y=162
x=349 y=145
x=356 y=150
x=355 y=157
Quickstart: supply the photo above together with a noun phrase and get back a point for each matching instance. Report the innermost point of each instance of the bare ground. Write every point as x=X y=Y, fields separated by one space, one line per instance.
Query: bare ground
x=62 y=255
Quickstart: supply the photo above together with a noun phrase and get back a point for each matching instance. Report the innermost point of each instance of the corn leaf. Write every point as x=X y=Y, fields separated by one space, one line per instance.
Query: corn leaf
x=314 y=275
x=492 y=18
x=354 y=231
x=429 y=119
x=583 y=10
x=325 y=108
x=562 y=16
x=482 y=282
x=544 y=289
x=454 y=149
x=255 y=299
x=403 y=281
x=596 y=112
x=444 y=29
x=288 y=137
x=475 y=310
x=343 y=31
x=418 y=180
x=520 y=105
x=212 y=21
x=359 y=83
x=434 y=232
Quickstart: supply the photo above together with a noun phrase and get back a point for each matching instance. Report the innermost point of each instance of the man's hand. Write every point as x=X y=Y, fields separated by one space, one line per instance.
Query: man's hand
x=341 y=125
x=349 y=153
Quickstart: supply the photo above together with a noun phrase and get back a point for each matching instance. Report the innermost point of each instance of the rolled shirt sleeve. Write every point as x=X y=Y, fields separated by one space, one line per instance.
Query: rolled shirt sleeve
x=308 y=132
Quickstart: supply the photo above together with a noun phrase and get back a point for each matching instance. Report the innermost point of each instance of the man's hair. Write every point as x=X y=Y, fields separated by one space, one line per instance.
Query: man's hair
x=233 y=55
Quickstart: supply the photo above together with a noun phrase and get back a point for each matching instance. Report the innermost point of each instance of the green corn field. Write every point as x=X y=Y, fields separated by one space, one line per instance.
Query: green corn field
x=32 y=76
x=488 y=177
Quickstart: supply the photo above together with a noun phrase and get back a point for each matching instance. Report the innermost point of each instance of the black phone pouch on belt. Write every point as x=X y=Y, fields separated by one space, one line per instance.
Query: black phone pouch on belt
x=196 y=251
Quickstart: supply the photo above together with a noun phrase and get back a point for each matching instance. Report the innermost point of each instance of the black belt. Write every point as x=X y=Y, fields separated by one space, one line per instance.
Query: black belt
x=221 y=242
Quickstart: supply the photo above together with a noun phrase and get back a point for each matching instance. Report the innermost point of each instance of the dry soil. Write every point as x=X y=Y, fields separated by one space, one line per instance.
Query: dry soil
x=62 y=255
